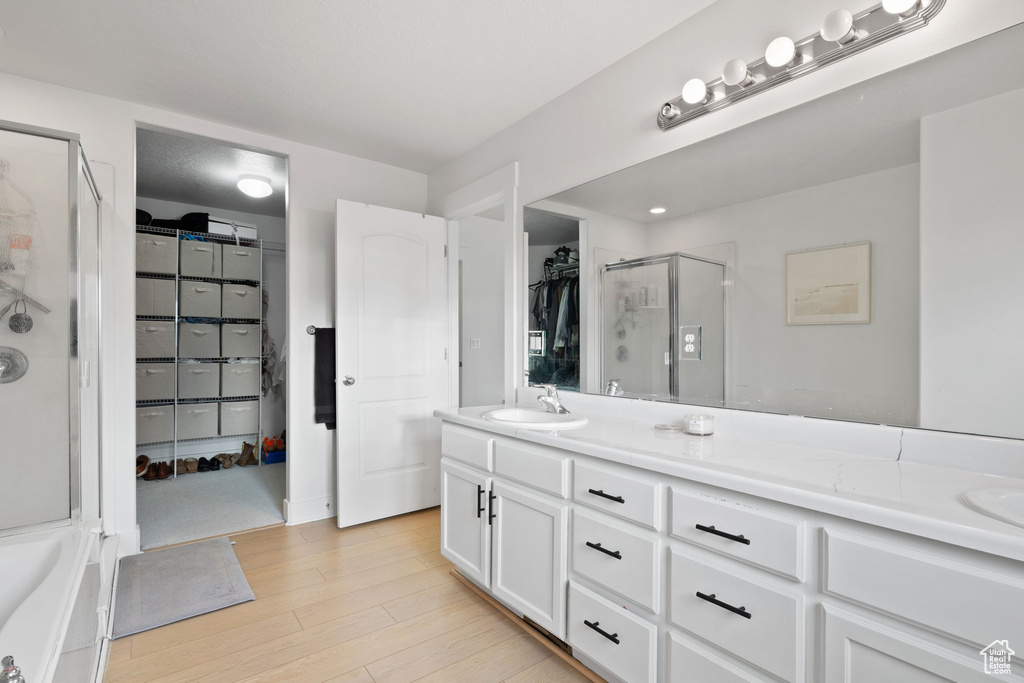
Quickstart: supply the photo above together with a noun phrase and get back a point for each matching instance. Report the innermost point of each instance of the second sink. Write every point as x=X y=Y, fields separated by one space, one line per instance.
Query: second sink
x=535 y=419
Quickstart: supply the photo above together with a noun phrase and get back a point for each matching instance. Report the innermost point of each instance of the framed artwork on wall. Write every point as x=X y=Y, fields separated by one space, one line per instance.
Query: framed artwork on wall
x=829 y=285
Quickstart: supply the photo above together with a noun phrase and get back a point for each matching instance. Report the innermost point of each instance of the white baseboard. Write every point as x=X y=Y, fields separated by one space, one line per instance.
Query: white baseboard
x=129 y=542
x=302 y=511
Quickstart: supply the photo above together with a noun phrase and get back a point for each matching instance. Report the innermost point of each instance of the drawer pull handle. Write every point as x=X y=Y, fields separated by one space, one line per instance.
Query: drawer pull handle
x=614 y=637
x=598 y=492
x=597 y=546
x=479 y=503
x=741 y=610
x=490 y=511
x=716 y=532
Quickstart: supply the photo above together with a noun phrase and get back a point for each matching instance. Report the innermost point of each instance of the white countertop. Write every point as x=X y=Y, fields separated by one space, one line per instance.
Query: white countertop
x=910 y=497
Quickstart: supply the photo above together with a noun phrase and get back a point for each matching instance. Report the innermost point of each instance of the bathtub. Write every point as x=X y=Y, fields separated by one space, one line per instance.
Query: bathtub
x=39 y=577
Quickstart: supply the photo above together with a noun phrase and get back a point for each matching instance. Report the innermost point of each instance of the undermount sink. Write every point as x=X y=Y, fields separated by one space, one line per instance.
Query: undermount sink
x=1006 y=505
x=535 y=419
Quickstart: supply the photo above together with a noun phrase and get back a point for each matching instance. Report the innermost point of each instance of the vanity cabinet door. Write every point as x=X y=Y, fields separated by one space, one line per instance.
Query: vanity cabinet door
x=465 y=534
x=861 y=650
x=530 y=571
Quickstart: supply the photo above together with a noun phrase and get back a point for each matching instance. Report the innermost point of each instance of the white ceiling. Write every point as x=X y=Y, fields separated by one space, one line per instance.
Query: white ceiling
x=204 y=172
x=868 y=127
x=413 y=84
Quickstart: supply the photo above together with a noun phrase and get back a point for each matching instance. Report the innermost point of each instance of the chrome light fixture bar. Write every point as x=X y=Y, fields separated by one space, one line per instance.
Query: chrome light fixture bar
x=842 y=35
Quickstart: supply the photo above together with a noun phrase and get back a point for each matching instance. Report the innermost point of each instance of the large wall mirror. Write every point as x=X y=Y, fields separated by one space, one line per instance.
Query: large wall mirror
x=859 y=257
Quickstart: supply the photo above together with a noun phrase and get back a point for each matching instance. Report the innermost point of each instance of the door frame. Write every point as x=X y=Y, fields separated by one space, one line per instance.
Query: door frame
x=495 y=189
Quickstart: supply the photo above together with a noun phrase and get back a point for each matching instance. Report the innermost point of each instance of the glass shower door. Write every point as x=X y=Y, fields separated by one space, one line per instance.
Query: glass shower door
x=38 y=334
x=636 y=340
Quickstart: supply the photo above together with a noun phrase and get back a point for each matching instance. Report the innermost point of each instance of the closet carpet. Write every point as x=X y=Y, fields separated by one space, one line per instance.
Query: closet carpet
x=369 y=604
x=206 y=504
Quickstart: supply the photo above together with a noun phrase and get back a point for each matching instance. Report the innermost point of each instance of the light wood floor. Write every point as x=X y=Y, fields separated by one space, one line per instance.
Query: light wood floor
x=368 y=604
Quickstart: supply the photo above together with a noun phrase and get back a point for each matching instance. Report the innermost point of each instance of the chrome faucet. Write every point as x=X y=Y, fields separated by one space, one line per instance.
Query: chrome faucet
x=10 y=673
x=550 y=401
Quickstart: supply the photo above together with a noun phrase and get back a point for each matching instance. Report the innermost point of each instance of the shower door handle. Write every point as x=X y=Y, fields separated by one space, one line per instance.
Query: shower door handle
x=349 y=380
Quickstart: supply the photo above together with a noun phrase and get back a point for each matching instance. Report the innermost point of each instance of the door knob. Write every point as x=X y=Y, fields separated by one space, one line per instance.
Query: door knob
x=349 y=380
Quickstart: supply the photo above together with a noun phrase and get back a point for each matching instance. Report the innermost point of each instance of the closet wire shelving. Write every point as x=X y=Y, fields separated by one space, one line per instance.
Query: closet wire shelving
x=177 y=278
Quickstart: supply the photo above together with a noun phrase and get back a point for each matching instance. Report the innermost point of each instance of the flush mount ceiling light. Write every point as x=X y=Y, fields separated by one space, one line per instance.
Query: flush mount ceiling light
x=657 y=209
x=255 y=186
x=842 y=35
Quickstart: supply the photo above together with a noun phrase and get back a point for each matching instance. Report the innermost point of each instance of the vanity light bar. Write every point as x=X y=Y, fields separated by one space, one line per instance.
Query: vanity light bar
x=842 y=34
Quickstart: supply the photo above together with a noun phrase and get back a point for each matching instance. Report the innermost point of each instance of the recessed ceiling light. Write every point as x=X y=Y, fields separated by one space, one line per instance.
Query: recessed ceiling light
x=657 y=209
x=255 y=186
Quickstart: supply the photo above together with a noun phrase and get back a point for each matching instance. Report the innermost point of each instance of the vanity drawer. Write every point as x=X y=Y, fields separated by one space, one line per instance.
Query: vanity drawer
x=770 y=637
x=632 y=655
x=632 y=571
x=746 y=533
x=689 y=663
x=632 y=498
x=964 y=601
x=541 y=468
x=470 y=446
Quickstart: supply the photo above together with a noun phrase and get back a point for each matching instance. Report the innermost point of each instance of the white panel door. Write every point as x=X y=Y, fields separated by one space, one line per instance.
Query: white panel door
x=530 y=571
x=465 y=528
x=391 y=319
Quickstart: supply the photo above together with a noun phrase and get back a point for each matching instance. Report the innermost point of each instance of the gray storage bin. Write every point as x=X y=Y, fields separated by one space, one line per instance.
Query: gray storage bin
x=154 y=424
x=240 y=341
x=241 y=263
x=154 y=381
x=156 y=254
x=200 y=259
x=239 y=417
x=197 y=420
x=154 y=339
x=199 y=299
x=198 y=380
x=240 y=379
x=240 y=301
x=154 y=297
x=198 y=340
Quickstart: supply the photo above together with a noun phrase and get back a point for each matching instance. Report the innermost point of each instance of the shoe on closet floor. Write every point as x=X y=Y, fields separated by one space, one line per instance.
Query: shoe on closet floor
x=164 y=470
x=180 y=467
x=191 y=465
x=249 y=454
x=214 y=464
x=152 y=471
x=203 y=465
x=141 y=465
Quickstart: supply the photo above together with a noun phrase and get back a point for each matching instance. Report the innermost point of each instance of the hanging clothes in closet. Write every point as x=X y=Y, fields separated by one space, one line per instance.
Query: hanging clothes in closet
x=556 y=312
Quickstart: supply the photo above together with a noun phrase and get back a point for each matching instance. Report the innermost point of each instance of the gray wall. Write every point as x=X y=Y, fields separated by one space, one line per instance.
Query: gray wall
x=972 y=244
x=861 y=371
x=483 y=316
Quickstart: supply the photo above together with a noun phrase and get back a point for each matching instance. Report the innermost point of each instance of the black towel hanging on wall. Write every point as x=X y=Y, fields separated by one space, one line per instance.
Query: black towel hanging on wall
x=323 y=378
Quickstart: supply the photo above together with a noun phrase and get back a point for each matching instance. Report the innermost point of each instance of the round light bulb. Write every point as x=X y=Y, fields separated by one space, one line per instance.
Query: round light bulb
x=838 y=27
x=695 y=91
x=781 y=52
x=903 y=8
x=657 y=209
x=736 y=73
x=255 y=186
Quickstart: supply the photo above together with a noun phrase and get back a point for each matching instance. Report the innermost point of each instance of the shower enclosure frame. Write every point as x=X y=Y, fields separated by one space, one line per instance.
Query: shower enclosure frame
x=78 y=166
x=671 y=260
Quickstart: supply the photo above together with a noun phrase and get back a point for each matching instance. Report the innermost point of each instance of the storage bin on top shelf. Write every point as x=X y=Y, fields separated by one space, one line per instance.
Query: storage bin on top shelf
x=241 y=263
x=201 y=259
x=156 y=254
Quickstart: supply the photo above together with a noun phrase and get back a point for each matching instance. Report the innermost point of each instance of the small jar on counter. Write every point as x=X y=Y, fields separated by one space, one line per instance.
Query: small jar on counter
x=701 y=425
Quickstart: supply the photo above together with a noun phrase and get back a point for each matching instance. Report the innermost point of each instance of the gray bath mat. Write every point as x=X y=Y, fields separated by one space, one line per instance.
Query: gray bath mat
x=165 y=586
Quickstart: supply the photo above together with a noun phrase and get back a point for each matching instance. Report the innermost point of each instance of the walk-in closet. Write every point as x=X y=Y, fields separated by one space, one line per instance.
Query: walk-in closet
x=211 y=344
